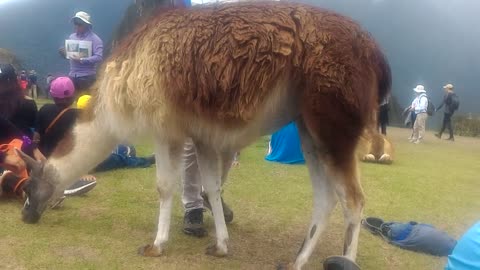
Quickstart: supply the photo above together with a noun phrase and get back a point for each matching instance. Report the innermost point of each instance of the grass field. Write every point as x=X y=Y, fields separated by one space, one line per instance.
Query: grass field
x=436 y=182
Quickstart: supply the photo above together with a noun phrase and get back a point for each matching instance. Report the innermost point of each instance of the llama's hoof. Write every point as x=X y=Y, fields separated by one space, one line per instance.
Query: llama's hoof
x=150 y=251
x=369 y=158
x=385 y=159
x=213 y=250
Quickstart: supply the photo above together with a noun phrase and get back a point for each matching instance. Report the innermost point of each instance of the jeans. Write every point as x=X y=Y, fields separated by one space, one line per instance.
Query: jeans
x=192 y=185
x=115 y=161
x=82 y=84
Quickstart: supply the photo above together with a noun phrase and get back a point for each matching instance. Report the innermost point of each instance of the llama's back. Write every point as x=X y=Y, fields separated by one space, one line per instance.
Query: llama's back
x=224 y=62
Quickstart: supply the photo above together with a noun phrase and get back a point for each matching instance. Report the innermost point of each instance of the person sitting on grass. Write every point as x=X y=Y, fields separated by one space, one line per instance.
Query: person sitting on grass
x=54 y=121
x=17 y=118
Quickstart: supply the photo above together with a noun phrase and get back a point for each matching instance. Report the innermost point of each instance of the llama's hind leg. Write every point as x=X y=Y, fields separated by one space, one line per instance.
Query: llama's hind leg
x=324 y=199
x=168 y=157
x=350 y=195
x=210 y=166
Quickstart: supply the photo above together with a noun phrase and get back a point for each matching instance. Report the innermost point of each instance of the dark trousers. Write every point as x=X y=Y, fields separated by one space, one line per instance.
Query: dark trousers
x=447 y=123
x=82 y=84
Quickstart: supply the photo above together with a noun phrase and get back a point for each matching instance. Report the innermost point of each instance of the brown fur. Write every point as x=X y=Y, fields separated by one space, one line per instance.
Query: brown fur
x=225 y=74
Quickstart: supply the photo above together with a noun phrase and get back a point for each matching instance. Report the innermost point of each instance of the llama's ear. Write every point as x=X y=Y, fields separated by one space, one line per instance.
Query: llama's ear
x=32 y=163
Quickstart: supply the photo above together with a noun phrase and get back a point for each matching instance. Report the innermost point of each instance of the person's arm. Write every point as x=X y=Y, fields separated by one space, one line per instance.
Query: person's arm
x=97 y=52
x=443 y=103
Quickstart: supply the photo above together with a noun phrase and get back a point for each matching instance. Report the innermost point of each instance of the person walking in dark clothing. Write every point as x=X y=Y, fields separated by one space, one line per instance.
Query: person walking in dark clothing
x=383 y=116
x=451 y=103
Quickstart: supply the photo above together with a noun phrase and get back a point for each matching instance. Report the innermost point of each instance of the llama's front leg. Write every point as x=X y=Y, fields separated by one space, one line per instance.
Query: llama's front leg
x=210 y=166
x=167 y=160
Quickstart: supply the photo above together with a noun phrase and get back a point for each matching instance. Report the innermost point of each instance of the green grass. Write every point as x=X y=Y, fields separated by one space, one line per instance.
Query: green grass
x=435 y=182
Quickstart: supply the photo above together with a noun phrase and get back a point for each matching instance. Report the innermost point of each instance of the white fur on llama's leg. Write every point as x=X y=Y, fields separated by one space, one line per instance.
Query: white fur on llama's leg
x=323 y=197
x=209 y=164
x=168 y=173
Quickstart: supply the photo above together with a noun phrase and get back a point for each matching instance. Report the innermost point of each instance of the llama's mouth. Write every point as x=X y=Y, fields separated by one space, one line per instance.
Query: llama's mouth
x=30 y=213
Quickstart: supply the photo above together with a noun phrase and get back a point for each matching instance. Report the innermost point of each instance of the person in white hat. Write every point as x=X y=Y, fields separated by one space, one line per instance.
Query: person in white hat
x=419 y=106
x=451 y=103
x=83 y=65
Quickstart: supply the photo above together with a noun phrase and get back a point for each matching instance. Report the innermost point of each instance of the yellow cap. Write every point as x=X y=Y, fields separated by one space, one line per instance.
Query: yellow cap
x=83 y=101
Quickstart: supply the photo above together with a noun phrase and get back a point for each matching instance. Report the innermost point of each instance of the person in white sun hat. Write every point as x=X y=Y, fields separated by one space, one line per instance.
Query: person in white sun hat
x=419 y=106
x=84 y=57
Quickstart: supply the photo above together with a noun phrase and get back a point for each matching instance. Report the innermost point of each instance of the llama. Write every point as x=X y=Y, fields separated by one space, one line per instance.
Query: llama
x=224 y=76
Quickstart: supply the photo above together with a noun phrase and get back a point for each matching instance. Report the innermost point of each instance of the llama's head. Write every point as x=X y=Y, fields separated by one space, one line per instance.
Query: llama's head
x=37 y=189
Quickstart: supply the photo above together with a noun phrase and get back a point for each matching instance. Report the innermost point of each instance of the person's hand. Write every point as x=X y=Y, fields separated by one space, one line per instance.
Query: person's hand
x=62 y=52
x=14 y=163
x=74 y=58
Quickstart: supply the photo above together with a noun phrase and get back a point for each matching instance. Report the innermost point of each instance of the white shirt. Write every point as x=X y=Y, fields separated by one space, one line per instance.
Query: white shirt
x=420 y=104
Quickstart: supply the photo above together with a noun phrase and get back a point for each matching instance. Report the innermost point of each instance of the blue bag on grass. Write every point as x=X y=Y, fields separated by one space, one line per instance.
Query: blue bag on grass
x=412 y=236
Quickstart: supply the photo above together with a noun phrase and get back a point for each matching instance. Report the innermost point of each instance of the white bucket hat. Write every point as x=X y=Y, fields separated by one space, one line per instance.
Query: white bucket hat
x=419 y=89
x=85 y=17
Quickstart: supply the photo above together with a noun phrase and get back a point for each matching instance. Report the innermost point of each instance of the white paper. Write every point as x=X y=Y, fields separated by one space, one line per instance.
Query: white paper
x=78 y=48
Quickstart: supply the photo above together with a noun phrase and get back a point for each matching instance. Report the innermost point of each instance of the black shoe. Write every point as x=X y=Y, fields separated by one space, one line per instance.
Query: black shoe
x=151 y=159
x=193 y=223
x=339 y=263
x=450 y=139
x=227 y=212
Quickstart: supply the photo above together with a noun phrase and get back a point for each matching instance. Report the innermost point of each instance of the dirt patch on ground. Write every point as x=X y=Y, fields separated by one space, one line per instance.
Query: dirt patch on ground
x=78 y=253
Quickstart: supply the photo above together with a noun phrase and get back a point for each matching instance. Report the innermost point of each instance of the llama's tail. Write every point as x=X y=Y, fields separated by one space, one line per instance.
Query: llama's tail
x=384 y=76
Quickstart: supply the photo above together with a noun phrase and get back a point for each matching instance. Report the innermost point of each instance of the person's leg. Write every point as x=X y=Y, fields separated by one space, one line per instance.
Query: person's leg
x=416 y=127
x=33 y=89
x=82 y=84
x=139 y=162
x=422 y=119
x=191 y=195
x=444 y=124
x=384 y=128
x=113 y=161
x=449 y=125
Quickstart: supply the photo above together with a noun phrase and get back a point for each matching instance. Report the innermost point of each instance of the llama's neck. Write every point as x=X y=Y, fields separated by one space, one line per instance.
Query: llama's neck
x=88 y=144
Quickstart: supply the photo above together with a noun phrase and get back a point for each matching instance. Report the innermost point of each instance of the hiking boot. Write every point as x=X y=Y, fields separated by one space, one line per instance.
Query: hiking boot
x=193 y=223
x=227 y=212
x=450 y=139
x=81 y=187
x=438 y=135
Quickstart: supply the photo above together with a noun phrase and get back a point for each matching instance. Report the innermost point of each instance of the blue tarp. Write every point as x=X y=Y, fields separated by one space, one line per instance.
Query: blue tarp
x=285 y=146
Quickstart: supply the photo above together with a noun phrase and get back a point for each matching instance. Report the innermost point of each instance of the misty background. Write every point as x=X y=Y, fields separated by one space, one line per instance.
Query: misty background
x=429 y=42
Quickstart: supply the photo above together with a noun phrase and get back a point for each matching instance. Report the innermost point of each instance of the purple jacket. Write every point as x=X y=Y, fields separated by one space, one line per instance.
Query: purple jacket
x=87 y=66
